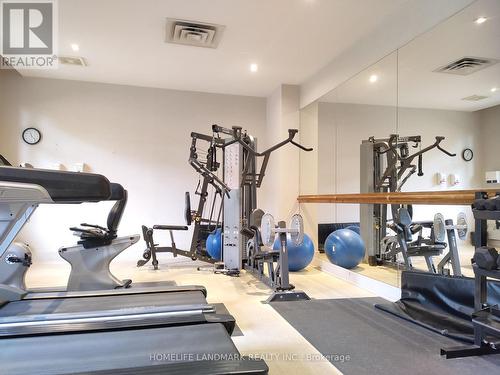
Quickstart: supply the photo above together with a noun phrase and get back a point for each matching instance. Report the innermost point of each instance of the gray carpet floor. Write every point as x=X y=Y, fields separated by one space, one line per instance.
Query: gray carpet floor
x=359 y=339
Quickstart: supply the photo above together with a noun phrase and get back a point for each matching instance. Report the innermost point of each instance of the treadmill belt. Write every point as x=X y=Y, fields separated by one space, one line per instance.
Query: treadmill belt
x=114 y=350
x=44 y=307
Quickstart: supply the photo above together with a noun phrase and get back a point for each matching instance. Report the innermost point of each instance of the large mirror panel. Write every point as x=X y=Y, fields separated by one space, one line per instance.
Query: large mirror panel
x=363 y=107
x=448 y=82
x=434 y=104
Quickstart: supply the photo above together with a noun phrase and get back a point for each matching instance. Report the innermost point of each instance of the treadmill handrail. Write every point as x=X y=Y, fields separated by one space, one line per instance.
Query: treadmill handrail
x=62 y=186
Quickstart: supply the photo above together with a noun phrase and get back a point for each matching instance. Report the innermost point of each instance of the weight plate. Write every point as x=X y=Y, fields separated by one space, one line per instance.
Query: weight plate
x=462 y=226
x=439 y=228
x=267 y=230
x=297 y=229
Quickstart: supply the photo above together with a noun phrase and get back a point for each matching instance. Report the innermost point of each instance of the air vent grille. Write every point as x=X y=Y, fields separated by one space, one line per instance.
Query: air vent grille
x=466 y=65
x=71 y=60
x=191 y=33
x=474 y=98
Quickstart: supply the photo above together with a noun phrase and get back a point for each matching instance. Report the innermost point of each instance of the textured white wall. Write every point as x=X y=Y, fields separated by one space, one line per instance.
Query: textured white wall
x=139 y=137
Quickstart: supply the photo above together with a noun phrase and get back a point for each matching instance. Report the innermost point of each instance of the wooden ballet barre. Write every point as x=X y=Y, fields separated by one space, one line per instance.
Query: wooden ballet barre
x=449 y=197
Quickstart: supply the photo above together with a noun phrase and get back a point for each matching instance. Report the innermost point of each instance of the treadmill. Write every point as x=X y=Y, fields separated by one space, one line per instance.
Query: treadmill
x=103 y=332
x=21 y=190
x=97 y=246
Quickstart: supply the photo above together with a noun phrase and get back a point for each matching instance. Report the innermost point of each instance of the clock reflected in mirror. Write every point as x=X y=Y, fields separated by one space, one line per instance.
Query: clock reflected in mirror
x=467 y=154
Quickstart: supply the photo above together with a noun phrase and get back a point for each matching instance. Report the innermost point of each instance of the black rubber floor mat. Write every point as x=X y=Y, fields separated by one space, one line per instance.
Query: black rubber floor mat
x=359 y=339
x=440 y=303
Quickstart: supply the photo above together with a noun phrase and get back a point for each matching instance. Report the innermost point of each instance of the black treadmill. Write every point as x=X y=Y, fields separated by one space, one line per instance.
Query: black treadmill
x=75 y=188
x=21 y=308
x=103 y=333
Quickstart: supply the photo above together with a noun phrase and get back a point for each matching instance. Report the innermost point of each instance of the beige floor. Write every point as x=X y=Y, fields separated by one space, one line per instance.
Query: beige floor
x=265 y=331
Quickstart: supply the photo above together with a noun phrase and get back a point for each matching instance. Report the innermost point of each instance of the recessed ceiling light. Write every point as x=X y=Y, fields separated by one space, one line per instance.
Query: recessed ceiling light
x=480 y=20
x=373 y=78
x=494 y=89
x=75 y=47
x=254 y=67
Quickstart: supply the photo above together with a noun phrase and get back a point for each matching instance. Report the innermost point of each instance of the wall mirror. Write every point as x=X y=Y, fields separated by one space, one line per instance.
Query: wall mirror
x=444 y=83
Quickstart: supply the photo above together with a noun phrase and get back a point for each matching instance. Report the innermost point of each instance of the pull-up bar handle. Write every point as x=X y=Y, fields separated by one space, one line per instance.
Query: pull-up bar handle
x=291 y=136
x=446 y=152
x=301 y=147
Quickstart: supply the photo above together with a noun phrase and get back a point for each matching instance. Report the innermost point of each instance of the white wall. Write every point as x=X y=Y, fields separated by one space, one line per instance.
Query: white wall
x=342 y=127
x=139 y=137
x=282 y=176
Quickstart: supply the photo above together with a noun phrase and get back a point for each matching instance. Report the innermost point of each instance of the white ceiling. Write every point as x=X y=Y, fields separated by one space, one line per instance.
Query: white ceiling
x=123 y=41
x=421 y=87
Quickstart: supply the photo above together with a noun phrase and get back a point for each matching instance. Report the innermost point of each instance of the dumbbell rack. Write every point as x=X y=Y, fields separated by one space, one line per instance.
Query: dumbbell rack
x=485 y=319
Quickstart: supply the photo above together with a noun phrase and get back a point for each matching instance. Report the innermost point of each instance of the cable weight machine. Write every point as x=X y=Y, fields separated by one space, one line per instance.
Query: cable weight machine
x=232 y=153
x=386 y=165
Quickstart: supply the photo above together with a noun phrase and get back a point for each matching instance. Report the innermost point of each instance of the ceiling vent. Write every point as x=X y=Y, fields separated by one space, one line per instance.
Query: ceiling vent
x=474 y=98
x=466 y=65
x=69 y=60
x=191 y=33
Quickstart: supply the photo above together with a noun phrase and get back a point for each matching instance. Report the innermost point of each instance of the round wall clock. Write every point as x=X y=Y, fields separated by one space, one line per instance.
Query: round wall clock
x=32 y=136
x=467 y=154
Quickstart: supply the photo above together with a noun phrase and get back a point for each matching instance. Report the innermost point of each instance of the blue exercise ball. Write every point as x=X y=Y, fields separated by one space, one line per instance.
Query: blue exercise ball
x=345 y=248
x=299 y=256
x=354 y=228
x=214 y=244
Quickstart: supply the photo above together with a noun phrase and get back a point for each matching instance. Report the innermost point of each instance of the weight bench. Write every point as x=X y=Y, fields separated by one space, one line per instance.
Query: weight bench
x=152 y=249
x=195 y=252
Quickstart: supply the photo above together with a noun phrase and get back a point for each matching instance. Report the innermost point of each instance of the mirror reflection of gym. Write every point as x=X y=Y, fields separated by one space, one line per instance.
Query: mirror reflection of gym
x=417 y=120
